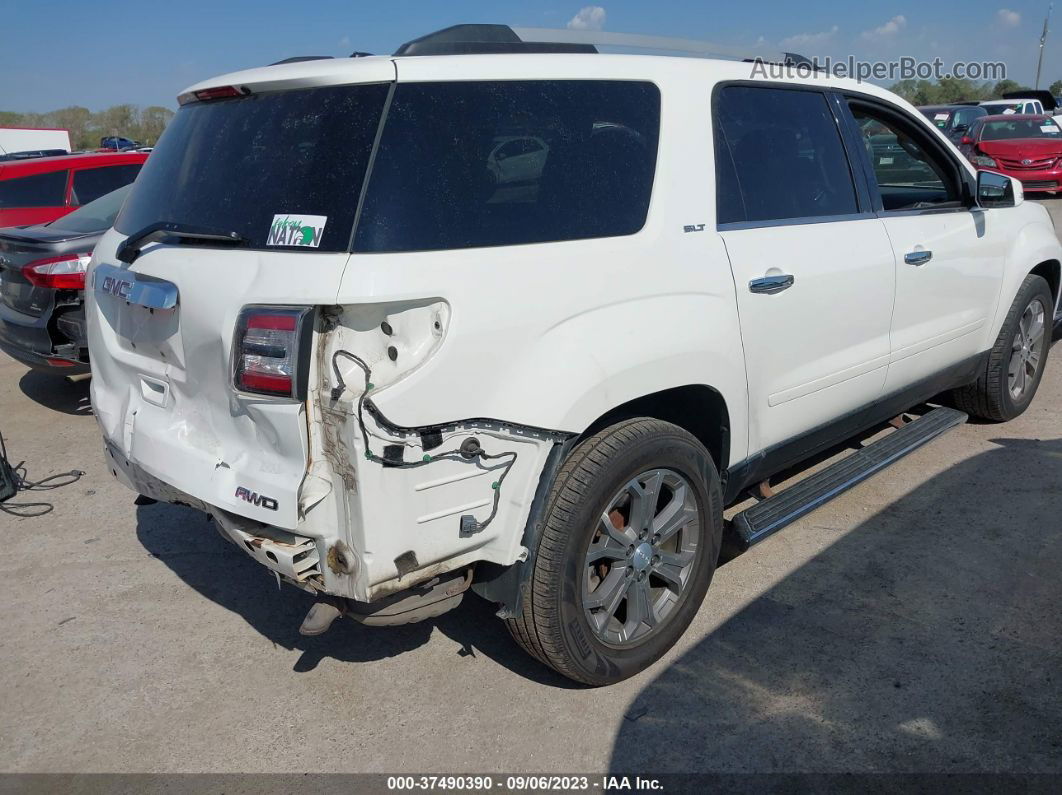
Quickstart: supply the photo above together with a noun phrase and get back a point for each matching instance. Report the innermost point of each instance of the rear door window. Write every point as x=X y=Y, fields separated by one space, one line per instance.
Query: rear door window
x=779 y=156
x=38 y=190
x=91 y=183
x=294 y=158
x=474 y=164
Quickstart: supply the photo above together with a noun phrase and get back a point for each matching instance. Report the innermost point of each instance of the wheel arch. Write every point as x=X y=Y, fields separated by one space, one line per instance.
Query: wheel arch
x=1051 y=271
x=697 y=408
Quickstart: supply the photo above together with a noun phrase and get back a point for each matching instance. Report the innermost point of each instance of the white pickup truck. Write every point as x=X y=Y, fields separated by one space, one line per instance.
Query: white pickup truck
x=391 y=376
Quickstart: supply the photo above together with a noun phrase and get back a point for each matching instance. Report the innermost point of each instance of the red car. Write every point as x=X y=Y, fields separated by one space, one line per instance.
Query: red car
x=43 y=189
x=1023 y=146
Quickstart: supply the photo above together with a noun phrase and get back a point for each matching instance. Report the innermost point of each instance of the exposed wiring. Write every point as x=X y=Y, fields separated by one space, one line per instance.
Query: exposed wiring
x=476 y=454
x=22 y=483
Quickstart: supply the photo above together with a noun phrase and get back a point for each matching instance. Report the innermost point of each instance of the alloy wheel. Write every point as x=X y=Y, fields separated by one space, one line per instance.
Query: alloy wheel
x=1027 y=349
x=641 y=556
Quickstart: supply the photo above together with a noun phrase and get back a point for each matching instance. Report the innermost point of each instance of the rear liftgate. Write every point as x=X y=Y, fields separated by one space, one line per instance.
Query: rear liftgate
x=778 y=511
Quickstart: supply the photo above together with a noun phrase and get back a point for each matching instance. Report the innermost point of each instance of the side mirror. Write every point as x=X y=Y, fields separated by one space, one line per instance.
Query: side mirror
x=966 y=141
x=998 y=190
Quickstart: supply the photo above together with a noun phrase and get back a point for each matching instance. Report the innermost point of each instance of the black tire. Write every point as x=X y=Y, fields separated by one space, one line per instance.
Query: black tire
x=552 y=625
x=989 y=397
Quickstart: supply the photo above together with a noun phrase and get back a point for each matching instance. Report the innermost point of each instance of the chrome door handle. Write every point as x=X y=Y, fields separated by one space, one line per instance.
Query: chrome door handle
x=769 y=285
x=918 y=257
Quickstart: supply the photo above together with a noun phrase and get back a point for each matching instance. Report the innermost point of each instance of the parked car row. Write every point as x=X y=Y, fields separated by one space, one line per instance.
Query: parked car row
x=1014 y=136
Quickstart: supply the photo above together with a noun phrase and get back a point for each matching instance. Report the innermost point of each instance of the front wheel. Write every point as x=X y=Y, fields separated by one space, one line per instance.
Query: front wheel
x=630 y=541
x=1015 y=365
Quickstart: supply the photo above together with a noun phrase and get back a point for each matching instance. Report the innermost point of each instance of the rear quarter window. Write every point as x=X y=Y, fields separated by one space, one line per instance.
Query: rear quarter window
x=486 y=163
x=37 y=190
x=91 y=183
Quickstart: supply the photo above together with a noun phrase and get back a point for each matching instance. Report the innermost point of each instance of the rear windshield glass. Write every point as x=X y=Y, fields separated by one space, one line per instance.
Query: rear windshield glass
x=91 y=183
x=38 y=190
x=474 y=164
x=998 y=108
x=95 y=216
x=292 y=161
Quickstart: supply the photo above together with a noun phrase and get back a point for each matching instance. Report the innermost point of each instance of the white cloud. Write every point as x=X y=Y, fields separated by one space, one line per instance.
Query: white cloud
x=1008 y=18
x=344 y=42
x=809 y=39
x=890 y=28
x=588 y=18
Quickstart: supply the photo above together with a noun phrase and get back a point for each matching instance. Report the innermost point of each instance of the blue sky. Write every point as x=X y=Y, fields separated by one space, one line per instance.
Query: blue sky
x=56 y=53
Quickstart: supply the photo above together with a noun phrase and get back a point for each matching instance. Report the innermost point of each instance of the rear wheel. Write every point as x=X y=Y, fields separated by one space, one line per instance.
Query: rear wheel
x=631 y=538
x=1015 y=365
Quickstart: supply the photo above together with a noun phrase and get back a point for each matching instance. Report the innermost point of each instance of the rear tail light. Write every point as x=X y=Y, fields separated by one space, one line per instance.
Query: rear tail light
x=271 y=351
x=60 y=273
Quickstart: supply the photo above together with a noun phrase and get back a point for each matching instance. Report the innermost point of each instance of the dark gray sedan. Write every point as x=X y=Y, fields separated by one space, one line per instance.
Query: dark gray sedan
x=42 y=286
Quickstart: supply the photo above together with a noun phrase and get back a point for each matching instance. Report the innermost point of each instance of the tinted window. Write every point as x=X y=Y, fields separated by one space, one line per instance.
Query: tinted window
x=91 y=183
x=908 y=172
x=39 y=190
x=473 y=164
x=235 y=164
x=787 y=156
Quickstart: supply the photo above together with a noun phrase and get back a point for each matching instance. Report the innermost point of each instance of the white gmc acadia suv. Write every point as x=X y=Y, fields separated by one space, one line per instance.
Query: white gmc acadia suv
x=391 y=376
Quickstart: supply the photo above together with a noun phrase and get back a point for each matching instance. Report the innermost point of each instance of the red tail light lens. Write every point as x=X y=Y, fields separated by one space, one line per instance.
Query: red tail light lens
x=59 y=273
x=207 y=94
x=270 y=351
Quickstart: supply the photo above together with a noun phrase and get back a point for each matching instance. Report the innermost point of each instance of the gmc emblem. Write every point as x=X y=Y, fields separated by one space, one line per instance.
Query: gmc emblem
x=259 y=500
x=116 y=287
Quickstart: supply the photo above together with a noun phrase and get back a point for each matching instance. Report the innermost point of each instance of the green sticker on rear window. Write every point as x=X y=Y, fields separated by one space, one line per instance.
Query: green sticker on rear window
x=304 y=231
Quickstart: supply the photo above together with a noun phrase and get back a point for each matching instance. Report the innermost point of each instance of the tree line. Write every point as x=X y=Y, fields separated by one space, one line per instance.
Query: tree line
x=87 y=127
x=947 y=91
x=146 y=124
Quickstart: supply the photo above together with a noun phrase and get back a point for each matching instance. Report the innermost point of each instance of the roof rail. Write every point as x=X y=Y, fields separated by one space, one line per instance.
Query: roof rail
x=479 y=39
x=469 y=39
x=704 y=49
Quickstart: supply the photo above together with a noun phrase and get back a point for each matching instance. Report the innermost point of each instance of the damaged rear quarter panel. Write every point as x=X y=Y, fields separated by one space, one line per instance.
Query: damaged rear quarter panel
x=396 y=515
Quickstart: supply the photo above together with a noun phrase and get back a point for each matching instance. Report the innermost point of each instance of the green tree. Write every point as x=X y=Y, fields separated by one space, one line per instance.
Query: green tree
x=153 y=121
x=1056 y=88
x=78 y=121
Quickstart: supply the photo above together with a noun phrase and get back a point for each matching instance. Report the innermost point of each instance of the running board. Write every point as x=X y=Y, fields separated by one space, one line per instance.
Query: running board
x=769 y=516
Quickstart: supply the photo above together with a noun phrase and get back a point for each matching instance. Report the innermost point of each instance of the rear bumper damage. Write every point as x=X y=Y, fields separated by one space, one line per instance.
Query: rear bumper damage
x=383 y=522
x=393 y=548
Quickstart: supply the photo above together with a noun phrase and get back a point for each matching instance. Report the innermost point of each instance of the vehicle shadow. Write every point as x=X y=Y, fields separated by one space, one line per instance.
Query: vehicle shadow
x=57 y=393
x=187 y=542
x=927 y=639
